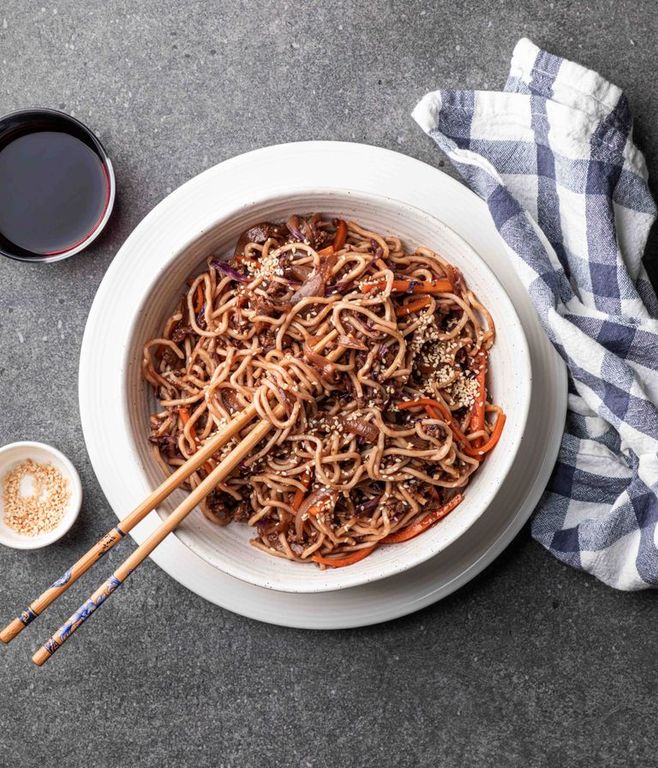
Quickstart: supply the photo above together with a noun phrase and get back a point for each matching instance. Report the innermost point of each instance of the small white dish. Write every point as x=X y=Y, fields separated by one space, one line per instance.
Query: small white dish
x=15 y=453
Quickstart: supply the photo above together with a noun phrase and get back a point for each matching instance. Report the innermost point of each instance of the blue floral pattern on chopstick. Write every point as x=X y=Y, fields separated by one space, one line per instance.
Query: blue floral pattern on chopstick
x=62 y=580
x=86 y=609
x=83 y=613
x=27 y=617
x=105 y=544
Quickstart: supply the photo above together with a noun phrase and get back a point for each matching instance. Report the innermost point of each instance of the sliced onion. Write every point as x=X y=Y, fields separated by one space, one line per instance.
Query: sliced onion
x=368 y=506
x=293 y=228
x=323 y=364
x=360 y=427
x=300 y=272
x=352 y=343
x=309 y=232
x=285 y=399
x=315 y=498
x=342 y=287
x=259 y=233
x=229 y=400
x=314 y=286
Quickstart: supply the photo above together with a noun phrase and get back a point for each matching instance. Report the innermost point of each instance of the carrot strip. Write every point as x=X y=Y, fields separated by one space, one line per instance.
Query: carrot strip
x=298 y=498
x=198 y=298
x=494 y=438
x=434 y=286
x=475 y=452
x=405 y=405
x=185 y=417
x=341 y=235
x=341 y=562
x=240 y=258
x=412 y=286
x=477 y=418
x=432 y=405
x=315 y=509
x=428 y=403
x=374 y=286
x=453 y=274
x=326 y=251
x=412 y=306
x=432 y=413
x=424 y=523
x=184 y=414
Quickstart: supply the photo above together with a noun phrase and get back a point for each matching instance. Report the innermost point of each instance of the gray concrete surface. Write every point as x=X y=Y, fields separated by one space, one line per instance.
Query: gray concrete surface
x=530 y=665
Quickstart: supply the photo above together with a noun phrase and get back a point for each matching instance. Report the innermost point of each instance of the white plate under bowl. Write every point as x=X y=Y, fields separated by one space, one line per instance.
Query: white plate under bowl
x=277 y=170
x=192 y=239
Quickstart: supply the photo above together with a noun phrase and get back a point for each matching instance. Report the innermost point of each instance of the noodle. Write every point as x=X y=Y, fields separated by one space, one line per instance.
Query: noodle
x=379 y=358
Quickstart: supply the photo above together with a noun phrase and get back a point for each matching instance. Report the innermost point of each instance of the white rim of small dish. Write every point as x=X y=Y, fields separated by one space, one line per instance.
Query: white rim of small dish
x=40 y=453
x=371 y=169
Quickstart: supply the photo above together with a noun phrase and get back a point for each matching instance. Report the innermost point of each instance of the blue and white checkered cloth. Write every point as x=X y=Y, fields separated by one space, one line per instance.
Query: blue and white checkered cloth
x=553 y=157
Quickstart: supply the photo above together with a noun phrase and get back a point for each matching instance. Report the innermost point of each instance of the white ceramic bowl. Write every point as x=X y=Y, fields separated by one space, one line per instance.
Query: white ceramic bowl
x=15 y=453
x=228 y=548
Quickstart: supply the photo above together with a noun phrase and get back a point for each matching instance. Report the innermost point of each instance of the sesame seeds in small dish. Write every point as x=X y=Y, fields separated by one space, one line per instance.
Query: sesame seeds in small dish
x=40 y=495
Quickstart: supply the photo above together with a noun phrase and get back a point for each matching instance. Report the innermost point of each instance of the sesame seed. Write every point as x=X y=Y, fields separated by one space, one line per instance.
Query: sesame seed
x=34 y=497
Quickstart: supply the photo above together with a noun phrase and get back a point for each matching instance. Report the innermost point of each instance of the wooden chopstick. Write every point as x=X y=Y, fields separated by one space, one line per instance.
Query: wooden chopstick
x=218 y=475
x=220 y=472
x=112 y=537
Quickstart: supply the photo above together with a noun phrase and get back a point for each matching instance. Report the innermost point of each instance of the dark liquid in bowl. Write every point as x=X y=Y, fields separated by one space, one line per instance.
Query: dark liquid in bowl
x=54 y=190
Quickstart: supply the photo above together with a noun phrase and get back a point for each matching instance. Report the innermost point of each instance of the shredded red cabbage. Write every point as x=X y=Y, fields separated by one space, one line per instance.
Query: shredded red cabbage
x=222 y=266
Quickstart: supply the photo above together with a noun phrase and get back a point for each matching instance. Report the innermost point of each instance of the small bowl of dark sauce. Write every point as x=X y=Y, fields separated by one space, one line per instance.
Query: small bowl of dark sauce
x=57 y=185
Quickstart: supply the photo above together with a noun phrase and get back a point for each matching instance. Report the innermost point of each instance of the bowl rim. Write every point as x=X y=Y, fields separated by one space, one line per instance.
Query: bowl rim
x=75 y=502
x=336 y=579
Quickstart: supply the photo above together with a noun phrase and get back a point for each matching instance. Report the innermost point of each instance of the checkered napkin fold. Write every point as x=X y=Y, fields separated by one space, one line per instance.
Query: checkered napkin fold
x=553 y=157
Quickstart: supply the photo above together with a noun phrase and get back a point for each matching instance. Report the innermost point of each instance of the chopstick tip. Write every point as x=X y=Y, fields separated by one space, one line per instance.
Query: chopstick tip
x=41 y=657
x=10 y=631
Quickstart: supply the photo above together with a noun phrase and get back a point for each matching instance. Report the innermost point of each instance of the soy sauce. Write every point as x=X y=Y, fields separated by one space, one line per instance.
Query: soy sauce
x=54 y=189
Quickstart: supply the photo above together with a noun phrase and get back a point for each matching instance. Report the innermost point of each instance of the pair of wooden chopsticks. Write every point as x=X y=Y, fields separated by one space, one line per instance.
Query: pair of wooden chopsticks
x=217 y=476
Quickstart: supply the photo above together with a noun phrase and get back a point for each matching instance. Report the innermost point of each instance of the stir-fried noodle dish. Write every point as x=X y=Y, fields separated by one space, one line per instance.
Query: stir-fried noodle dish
x=369 y=360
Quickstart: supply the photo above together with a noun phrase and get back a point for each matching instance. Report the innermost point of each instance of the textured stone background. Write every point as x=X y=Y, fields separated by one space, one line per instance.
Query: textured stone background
x=531 y=664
